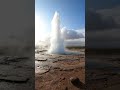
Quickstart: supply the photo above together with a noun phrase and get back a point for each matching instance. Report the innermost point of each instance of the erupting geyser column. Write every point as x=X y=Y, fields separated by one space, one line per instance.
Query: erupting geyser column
x=56 y=41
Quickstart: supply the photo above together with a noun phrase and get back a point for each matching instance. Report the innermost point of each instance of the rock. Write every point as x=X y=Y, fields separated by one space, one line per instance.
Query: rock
x=66 y=88
x=63 y=78
x=76 y=82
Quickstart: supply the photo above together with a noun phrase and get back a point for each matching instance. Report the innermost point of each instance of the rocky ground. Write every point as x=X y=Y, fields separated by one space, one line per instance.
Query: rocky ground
x=59 y=72
x=16 y=73
x=103 y=72
x=72 y=72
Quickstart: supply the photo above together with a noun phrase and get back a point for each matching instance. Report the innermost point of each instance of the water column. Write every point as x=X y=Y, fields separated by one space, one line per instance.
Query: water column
x=56 y=41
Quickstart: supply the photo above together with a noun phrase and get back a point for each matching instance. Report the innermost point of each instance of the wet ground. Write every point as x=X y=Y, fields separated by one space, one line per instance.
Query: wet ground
x=56 y=72
x=103 y=72
x=16 y=73
x=99 y=71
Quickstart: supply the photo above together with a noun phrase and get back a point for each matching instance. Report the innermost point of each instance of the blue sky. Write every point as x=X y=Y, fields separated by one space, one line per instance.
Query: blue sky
x=72 y=12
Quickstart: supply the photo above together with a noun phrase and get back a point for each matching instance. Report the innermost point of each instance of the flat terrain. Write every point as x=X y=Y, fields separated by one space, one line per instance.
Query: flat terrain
x=16 y=73
x=103 y=69
x=55 y=72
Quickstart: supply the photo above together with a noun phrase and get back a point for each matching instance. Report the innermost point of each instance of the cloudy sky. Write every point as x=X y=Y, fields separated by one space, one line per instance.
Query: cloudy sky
x=102 y=4
x=17 y=24
x=103 y=24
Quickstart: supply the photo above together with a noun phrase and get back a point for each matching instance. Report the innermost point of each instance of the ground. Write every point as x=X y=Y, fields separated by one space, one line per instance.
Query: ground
x=16 y=73
x=96 y=71
x=103 y=69
x=53 y=72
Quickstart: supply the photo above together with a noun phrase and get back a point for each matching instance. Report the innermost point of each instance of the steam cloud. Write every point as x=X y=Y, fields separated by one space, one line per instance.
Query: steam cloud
x=61 y=38
x=56 y=41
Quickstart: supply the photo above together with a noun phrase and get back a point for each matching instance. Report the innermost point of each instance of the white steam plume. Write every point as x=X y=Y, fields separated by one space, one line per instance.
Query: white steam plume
x=56 y=41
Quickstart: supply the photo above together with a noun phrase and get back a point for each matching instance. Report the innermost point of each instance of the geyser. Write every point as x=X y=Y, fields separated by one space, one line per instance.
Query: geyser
x=57 y=40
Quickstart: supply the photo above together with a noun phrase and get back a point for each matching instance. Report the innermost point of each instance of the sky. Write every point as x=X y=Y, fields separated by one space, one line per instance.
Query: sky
x=105 y=31
x=102 y=4
x=72 y=14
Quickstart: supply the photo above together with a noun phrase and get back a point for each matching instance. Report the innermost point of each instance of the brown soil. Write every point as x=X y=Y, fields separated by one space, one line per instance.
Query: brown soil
x=58 y=76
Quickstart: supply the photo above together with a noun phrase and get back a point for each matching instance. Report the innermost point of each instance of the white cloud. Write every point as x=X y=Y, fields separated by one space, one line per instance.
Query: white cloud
x=72 y=38
x=73 y=34
x=75 y=42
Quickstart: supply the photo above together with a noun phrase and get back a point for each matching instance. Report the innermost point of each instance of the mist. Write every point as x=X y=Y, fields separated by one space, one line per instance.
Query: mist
x=56 y=41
